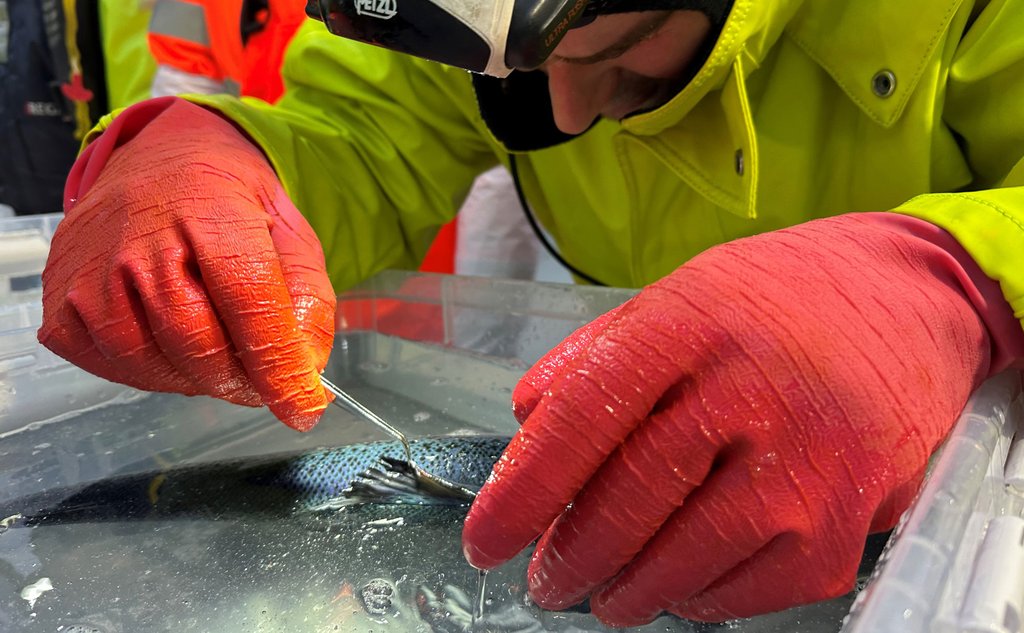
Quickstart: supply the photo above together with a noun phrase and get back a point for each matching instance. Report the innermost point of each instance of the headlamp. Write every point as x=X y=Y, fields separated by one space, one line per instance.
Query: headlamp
x=493 y=37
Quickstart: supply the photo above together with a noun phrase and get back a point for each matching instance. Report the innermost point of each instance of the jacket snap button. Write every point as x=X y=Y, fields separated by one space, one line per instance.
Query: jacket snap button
x=739 y=161
x=883 y=83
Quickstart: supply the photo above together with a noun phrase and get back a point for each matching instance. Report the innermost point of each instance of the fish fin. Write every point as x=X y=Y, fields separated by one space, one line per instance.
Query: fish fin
x=393 y=481
x=386 y=483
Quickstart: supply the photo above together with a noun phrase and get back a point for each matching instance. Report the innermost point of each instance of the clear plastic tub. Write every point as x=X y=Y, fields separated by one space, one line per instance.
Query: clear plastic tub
x=24 y=245
x=435 y=355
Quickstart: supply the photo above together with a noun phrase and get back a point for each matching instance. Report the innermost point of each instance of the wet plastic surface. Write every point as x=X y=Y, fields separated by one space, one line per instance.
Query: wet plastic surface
x=434 y=355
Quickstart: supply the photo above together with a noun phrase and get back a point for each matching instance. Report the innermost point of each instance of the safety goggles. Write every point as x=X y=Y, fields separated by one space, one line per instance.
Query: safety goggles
x=493 y=37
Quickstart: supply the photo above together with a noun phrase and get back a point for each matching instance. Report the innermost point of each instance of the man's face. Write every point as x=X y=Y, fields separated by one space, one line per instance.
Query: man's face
x=621 y=64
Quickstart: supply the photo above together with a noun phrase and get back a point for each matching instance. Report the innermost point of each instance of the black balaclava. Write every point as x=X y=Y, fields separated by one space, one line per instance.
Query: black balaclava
x=517 y=108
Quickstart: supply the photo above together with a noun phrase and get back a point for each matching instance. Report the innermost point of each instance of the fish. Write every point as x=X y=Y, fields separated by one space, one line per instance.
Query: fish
x=331 y=535
x=272 y=486
x=315 y=537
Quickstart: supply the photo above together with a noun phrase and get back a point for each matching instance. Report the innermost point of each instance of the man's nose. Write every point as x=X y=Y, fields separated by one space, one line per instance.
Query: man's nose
x=577 y=95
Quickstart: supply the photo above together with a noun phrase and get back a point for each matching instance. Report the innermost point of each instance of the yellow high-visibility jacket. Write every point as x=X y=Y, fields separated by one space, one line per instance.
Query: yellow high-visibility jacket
x=804 y=109
x=129 y=66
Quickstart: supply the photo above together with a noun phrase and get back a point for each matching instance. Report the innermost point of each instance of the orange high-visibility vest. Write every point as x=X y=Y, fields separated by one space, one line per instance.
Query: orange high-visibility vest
x=273 y=28
x=240 y=43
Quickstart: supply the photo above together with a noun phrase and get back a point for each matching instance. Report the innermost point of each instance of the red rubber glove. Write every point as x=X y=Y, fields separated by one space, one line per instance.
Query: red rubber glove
x=182 y=266
x=728 y=438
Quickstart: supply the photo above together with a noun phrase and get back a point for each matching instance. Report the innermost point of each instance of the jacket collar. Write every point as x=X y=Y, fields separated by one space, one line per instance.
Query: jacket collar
x=686 y=132
x=852 y=40
x=878 y=31
x=749 y=32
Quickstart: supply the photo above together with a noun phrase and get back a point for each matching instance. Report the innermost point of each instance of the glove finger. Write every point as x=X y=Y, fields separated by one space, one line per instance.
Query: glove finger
x=702 y=541
x=114 y=343
x=148 y=333
x=243 y=276
x=594 y=404
x=107 y=338
x=305 y=272
x=742 y=592
x=538 y=378
x=622 y=506
x=188 y=330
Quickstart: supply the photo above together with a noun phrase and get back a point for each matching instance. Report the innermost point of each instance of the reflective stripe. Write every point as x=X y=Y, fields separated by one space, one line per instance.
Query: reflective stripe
x=183 y=20
x=5 y=31
x=169 y=81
